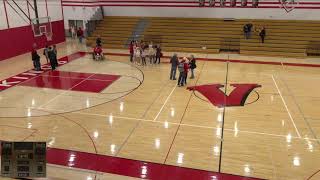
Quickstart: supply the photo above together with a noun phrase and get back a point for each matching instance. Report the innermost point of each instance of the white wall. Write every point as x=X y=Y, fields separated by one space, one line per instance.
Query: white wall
x=53 y=9
x=3 y=20
x=243 y=13
x=268 y=9
x=79 y=13
x=14 y=19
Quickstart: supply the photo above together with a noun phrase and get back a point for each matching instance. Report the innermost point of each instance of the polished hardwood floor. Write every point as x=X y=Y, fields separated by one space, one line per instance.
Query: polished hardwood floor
x=269 y=132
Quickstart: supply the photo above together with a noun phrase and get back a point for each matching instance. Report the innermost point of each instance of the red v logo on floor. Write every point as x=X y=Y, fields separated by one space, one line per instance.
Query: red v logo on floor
x=218 y=98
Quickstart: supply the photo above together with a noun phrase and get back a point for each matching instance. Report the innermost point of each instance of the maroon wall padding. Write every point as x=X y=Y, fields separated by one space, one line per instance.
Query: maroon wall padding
x=17 y=41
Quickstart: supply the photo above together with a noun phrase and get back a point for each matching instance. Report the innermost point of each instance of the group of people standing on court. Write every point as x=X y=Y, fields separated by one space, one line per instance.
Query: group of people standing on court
x=51 y=56
x=140 y=51
x=74 y=32
x=247 y=30
x=183 y=65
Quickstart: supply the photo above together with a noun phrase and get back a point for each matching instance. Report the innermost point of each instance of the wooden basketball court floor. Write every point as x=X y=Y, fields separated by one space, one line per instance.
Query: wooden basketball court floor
x=90 y=120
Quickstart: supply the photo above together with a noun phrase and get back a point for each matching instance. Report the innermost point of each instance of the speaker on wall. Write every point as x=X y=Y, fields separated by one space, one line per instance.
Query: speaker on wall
x=233 y=3
x=201 y=3
x=255 y=3
x=244 y=3
x=212 y=3
x=222 y=3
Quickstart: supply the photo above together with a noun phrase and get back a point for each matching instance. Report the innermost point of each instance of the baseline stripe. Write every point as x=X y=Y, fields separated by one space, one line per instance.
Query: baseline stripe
x=25 y=76
x=132 y=168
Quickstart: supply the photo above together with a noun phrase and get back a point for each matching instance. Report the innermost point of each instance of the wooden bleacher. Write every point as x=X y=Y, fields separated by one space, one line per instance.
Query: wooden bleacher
x=115 y=31
x=284 y=37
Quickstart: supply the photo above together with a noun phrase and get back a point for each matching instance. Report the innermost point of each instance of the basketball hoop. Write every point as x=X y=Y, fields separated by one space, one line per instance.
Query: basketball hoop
x=289 y=5
x=42 y=26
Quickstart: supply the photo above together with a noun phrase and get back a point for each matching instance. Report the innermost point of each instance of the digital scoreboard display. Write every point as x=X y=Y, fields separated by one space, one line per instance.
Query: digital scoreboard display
x=23 y=159
x=23 y=146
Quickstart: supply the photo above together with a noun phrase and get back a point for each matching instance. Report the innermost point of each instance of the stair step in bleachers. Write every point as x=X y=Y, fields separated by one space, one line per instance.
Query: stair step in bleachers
x=284 y=37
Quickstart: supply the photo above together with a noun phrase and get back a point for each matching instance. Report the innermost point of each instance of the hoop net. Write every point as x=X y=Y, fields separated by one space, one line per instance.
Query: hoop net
x=289 y=5
x=42 y=26
x=49 y=36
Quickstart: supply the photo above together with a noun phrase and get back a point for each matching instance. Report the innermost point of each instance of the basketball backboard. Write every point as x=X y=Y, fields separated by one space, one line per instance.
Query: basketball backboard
x=42 y=26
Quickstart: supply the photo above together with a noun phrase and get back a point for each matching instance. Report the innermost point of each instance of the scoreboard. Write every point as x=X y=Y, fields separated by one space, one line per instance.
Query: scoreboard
x=23 y=159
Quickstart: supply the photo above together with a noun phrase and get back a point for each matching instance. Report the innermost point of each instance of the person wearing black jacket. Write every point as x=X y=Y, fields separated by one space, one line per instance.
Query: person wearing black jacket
x=192 y=65
x=45 y=53
x=247 y=28
x=250 y=26
x=52 y=58
x=262 y=34
x=98 y=41
x=54 y=49
x=174 y=65
x=158 y=54
x=36 y=60
x=33 y=57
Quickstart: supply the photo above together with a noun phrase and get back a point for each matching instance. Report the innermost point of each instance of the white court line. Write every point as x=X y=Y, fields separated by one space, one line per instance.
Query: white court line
x=40 y=107
x=285 y=105
x=220 y=71
x=101 y=115
x=11 y=82
x=189 y=125
x=165 y=103
x=74 y=169
x=26 y=80
x=29 y=74
x=197 y=126
x=18 y=77
x=182 y=124
x=77 y=78
x=35 y=72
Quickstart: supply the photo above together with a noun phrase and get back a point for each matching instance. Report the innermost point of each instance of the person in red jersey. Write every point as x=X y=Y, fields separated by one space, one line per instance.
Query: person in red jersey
x=186 y=69
x=97 y=53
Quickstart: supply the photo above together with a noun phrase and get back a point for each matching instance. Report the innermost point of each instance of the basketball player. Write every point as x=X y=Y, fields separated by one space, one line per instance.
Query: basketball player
x=36 y=60
x=54 y=49
x=45 y=53
x=52 y=58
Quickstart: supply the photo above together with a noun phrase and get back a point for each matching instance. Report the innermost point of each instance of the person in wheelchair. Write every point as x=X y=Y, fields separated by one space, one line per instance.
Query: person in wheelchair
x=97 y=53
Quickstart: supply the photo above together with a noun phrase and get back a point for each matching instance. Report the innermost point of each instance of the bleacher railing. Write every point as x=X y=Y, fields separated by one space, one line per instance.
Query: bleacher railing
x=230 y=45
x=313 y=48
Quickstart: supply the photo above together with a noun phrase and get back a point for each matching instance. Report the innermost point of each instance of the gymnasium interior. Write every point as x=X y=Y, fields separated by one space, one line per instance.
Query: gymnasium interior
x=160 y=89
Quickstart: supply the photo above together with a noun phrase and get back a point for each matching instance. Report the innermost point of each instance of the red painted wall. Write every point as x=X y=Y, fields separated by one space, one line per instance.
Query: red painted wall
x=17 y=41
